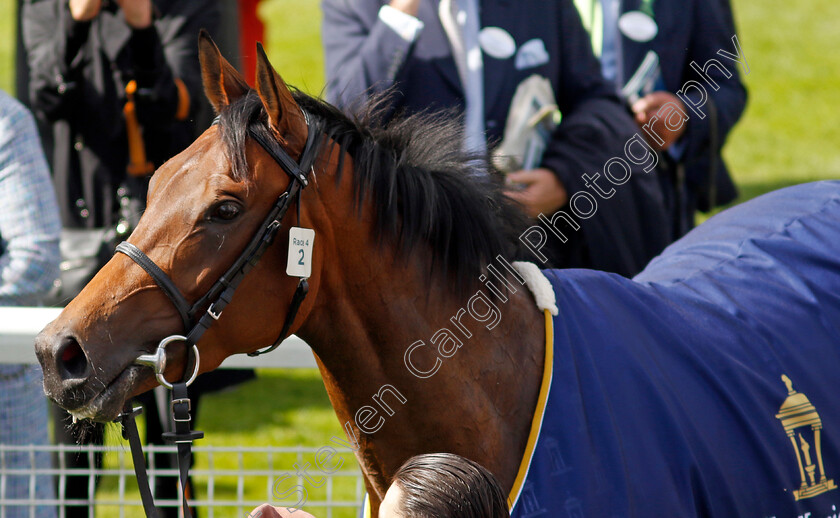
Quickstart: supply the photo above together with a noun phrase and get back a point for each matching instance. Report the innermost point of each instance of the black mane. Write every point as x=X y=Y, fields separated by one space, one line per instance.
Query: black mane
x=423 y=187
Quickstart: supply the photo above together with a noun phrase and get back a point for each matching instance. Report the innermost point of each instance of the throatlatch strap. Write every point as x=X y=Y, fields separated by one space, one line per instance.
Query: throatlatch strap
x=297 y=300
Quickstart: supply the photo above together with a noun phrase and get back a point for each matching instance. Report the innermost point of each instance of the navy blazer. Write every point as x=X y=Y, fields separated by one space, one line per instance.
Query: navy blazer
x=365 y=55
x=694 y=31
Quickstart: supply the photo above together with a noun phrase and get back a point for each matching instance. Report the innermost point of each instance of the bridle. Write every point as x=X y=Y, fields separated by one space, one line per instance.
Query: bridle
x=215 y=300
x=221 y=292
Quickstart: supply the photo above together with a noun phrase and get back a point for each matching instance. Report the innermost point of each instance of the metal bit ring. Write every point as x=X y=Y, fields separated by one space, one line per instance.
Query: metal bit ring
x=158 y=360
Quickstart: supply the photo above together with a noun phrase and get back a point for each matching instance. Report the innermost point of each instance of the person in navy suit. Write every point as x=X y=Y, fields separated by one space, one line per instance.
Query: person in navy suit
x=682 y=53
x=406 y=47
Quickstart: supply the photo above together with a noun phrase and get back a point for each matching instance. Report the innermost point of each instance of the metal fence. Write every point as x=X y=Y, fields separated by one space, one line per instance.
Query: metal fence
x=226 y=481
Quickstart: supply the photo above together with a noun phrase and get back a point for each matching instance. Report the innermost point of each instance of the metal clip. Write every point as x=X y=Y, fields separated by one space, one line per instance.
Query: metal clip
x=213 y=313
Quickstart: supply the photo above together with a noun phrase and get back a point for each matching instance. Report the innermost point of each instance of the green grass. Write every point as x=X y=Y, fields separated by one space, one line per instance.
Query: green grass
x=293 y=41
x=283 y=408
x=789 y=132
x=8 y=10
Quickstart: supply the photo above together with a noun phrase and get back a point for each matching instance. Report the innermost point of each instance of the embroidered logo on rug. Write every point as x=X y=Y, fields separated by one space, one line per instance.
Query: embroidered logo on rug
x=803 y=426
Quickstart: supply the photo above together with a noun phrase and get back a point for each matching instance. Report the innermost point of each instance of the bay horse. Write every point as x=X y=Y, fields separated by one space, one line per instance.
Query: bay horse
x=704 y=387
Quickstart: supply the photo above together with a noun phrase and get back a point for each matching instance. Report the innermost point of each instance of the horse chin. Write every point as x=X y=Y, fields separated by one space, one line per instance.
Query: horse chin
x=107 y=404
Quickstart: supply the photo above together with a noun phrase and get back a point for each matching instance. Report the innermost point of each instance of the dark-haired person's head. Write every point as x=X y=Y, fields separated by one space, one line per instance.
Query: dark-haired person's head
x=443 y=485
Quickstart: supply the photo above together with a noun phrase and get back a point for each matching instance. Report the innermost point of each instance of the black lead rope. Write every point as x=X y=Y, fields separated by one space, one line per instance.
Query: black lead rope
x=182 y=437
x=215 y=300
x=129 y=431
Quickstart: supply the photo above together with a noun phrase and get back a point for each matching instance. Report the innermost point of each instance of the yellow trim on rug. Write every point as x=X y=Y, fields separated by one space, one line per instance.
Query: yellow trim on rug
x=366 y=506
x=536 y=422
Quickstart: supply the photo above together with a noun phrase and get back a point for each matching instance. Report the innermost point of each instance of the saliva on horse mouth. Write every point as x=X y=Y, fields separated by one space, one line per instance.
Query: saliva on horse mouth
x=106 y=405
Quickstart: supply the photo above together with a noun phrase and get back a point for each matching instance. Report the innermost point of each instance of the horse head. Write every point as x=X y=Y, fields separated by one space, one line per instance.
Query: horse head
x=204 y=207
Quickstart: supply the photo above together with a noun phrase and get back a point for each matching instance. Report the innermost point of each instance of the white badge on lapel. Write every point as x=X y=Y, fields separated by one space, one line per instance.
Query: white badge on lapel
x=638 y=26
x=531 y=54
x=299 y=263
x=496 y=42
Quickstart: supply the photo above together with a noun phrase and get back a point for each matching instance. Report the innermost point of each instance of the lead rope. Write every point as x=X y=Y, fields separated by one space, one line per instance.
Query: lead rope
x=182 y=437
x=129 y=432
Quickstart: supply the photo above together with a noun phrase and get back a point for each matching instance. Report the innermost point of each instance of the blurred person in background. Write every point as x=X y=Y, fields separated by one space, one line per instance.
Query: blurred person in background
x=29 y=257
x=471 y=56
x=664 y=53
x=118 y=85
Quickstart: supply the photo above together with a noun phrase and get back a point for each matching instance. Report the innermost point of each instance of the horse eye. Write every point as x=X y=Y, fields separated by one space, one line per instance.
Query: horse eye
x=225 y=211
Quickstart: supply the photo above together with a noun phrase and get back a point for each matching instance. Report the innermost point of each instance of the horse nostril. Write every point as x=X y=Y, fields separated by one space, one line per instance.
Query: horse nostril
x=72 y=362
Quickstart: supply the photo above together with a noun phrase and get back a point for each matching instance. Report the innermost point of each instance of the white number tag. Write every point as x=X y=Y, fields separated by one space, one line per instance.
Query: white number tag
x=299 y=263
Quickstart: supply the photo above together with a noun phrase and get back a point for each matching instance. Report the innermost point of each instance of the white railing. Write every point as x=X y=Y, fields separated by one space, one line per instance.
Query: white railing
x=226 y=482
x=19 y=326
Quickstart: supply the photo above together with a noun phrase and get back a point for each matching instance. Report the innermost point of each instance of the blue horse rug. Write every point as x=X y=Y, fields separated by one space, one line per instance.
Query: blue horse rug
x=709 y=385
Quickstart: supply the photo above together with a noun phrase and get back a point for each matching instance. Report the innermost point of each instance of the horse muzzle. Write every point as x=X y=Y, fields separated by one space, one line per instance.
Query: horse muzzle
x=75 y=383
x=66 y=367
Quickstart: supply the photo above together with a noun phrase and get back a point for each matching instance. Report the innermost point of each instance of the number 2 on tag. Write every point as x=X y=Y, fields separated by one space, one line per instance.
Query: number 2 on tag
x=299 y=263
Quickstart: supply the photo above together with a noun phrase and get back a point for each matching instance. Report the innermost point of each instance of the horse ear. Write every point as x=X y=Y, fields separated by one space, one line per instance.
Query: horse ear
x=222 y=83
x=284 y=114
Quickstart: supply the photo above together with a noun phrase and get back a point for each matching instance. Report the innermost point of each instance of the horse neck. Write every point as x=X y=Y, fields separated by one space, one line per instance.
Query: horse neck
x=371 y=307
